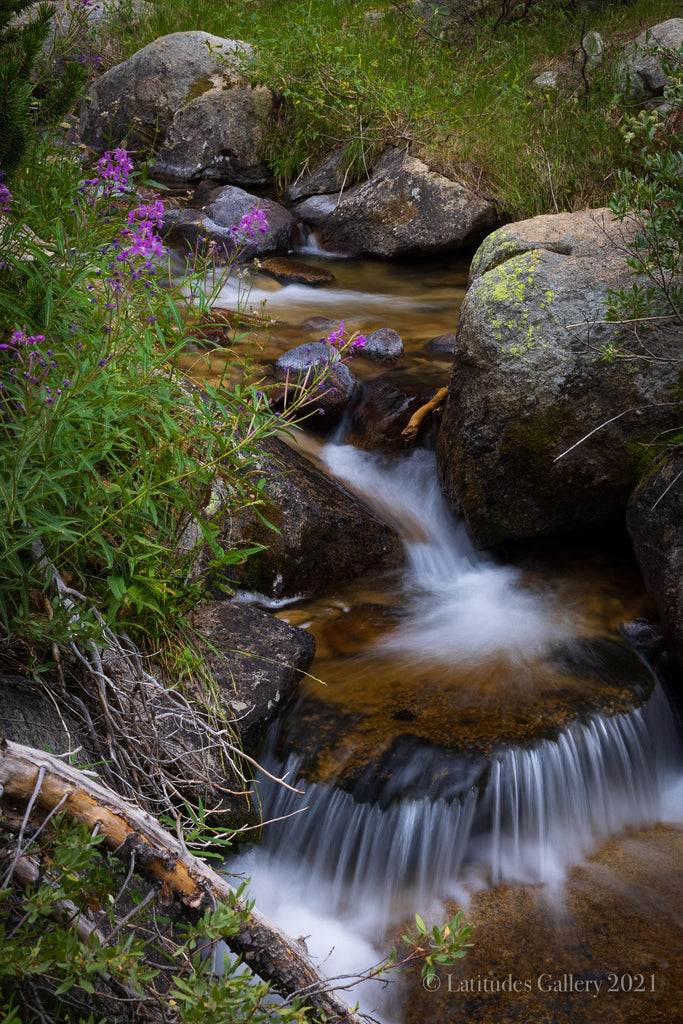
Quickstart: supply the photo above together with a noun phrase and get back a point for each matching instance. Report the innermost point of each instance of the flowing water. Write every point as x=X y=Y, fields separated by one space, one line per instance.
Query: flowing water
x=483 y=735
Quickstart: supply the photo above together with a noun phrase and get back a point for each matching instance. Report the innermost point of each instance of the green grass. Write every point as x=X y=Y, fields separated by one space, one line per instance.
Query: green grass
x=363 y=75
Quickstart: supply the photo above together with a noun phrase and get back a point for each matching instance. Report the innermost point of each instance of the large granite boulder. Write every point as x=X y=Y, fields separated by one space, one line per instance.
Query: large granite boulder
x=183 y=100
x=324 y=535
x=403 y=208
x=655 y=522
x=642 y=66
x=529 y=382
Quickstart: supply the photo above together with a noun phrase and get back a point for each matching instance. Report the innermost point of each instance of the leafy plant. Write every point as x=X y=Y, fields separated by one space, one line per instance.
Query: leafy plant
x=653 y=196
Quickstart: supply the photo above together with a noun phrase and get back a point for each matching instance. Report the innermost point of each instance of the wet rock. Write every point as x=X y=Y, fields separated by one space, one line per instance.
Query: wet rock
x=528 y=383
x=643 y=74
x=381 y=410
x=256 y=661
x=215 y=221
x=319 y=323
x=655 y=522
x=444 y=343
x=403 y=208
x=294 y=272
x=325 y=534
x=353 y=630
x=318 y=368
x=382 y=346
x=183 y=100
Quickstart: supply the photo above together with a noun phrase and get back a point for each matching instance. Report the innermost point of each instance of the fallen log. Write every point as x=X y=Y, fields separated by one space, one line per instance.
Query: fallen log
x=410 y=432
x=34 y=777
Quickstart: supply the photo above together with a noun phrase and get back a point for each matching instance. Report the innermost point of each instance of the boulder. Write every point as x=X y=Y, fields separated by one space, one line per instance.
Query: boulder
x=215 y=221
x=403 y=208
x=183 y=100
x=642 y=69
x=30 y=715
x=256 y=660
x=324 y=535
x=529 y=383
x=655 y=522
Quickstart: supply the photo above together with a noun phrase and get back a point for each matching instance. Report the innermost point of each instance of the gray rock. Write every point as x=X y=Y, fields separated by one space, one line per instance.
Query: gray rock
x=215 y=221
x=183 y=98
x=642 y=71
x=546 y=80
x=528 y=383
x=327 y=178
x=381 y=410
x=325 y=534
x=382 y=346
x=317 y=366
x=256 y=659
x=655 y=523
x=403 y=208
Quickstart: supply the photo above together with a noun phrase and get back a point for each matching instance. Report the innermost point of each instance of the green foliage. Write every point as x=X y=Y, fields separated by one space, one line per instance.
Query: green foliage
x=439 y=946
x=455 y=87
x=114 y=470
x=653 y=196
x=49 y=967
x=33 y=94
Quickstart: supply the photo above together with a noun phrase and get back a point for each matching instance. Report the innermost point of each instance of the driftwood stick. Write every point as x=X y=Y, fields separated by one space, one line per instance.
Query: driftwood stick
x=269 y=951
x=410 y=432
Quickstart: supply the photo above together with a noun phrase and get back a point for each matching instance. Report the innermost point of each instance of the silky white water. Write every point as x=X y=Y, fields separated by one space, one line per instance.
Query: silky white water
x=346 y=867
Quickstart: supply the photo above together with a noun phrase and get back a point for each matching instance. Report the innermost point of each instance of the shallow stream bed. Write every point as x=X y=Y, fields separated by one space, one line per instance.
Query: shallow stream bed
x=473 y=733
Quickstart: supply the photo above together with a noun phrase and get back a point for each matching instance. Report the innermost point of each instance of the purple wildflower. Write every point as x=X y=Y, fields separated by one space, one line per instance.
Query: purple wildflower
x=252 y=219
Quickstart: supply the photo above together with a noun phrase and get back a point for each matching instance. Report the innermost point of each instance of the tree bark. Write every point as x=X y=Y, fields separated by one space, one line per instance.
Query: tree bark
x=269 y=951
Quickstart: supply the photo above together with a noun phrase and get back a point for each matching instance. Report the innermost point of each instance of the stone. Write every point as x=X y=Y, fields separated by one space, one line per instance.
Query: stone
x=382 y=346
x=381 y=410
x=404 y=208
x=288 y=271
x=444 y=343
x=29 y=715
x=214 y=223
x=184 y=100
x=546 y=80
x=642 y=72
x=317 y=366
x=324 y=534
x=526 y=447
x=326 y=178
x=255 y=659
x=655 y=523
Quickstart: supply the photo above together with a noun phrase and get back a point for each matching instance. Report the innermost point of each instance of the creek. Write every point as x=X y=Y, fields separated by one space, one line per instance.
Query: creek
x=473 y=734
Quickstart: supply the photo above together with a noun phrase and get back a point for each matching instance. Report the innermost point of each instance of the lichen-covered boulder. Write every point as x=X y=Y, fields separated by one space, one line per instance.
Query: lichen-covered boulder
x=529 y=383
x=655 y=523
x=403 y=208
x=183 y=100
x=325 y=535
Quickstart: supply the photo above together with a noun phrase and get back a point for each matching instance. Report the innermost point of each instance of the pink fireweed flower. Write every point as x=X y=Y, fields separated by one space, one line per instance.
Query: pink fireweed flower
x=5 y=195
x=251 y=220
x=34 y=370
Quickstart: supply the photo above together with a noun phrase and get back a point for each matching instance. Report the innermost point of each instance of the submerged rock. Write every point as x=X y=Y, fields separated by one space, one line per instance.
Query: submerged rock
x=288 y=271
x=529 y=383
